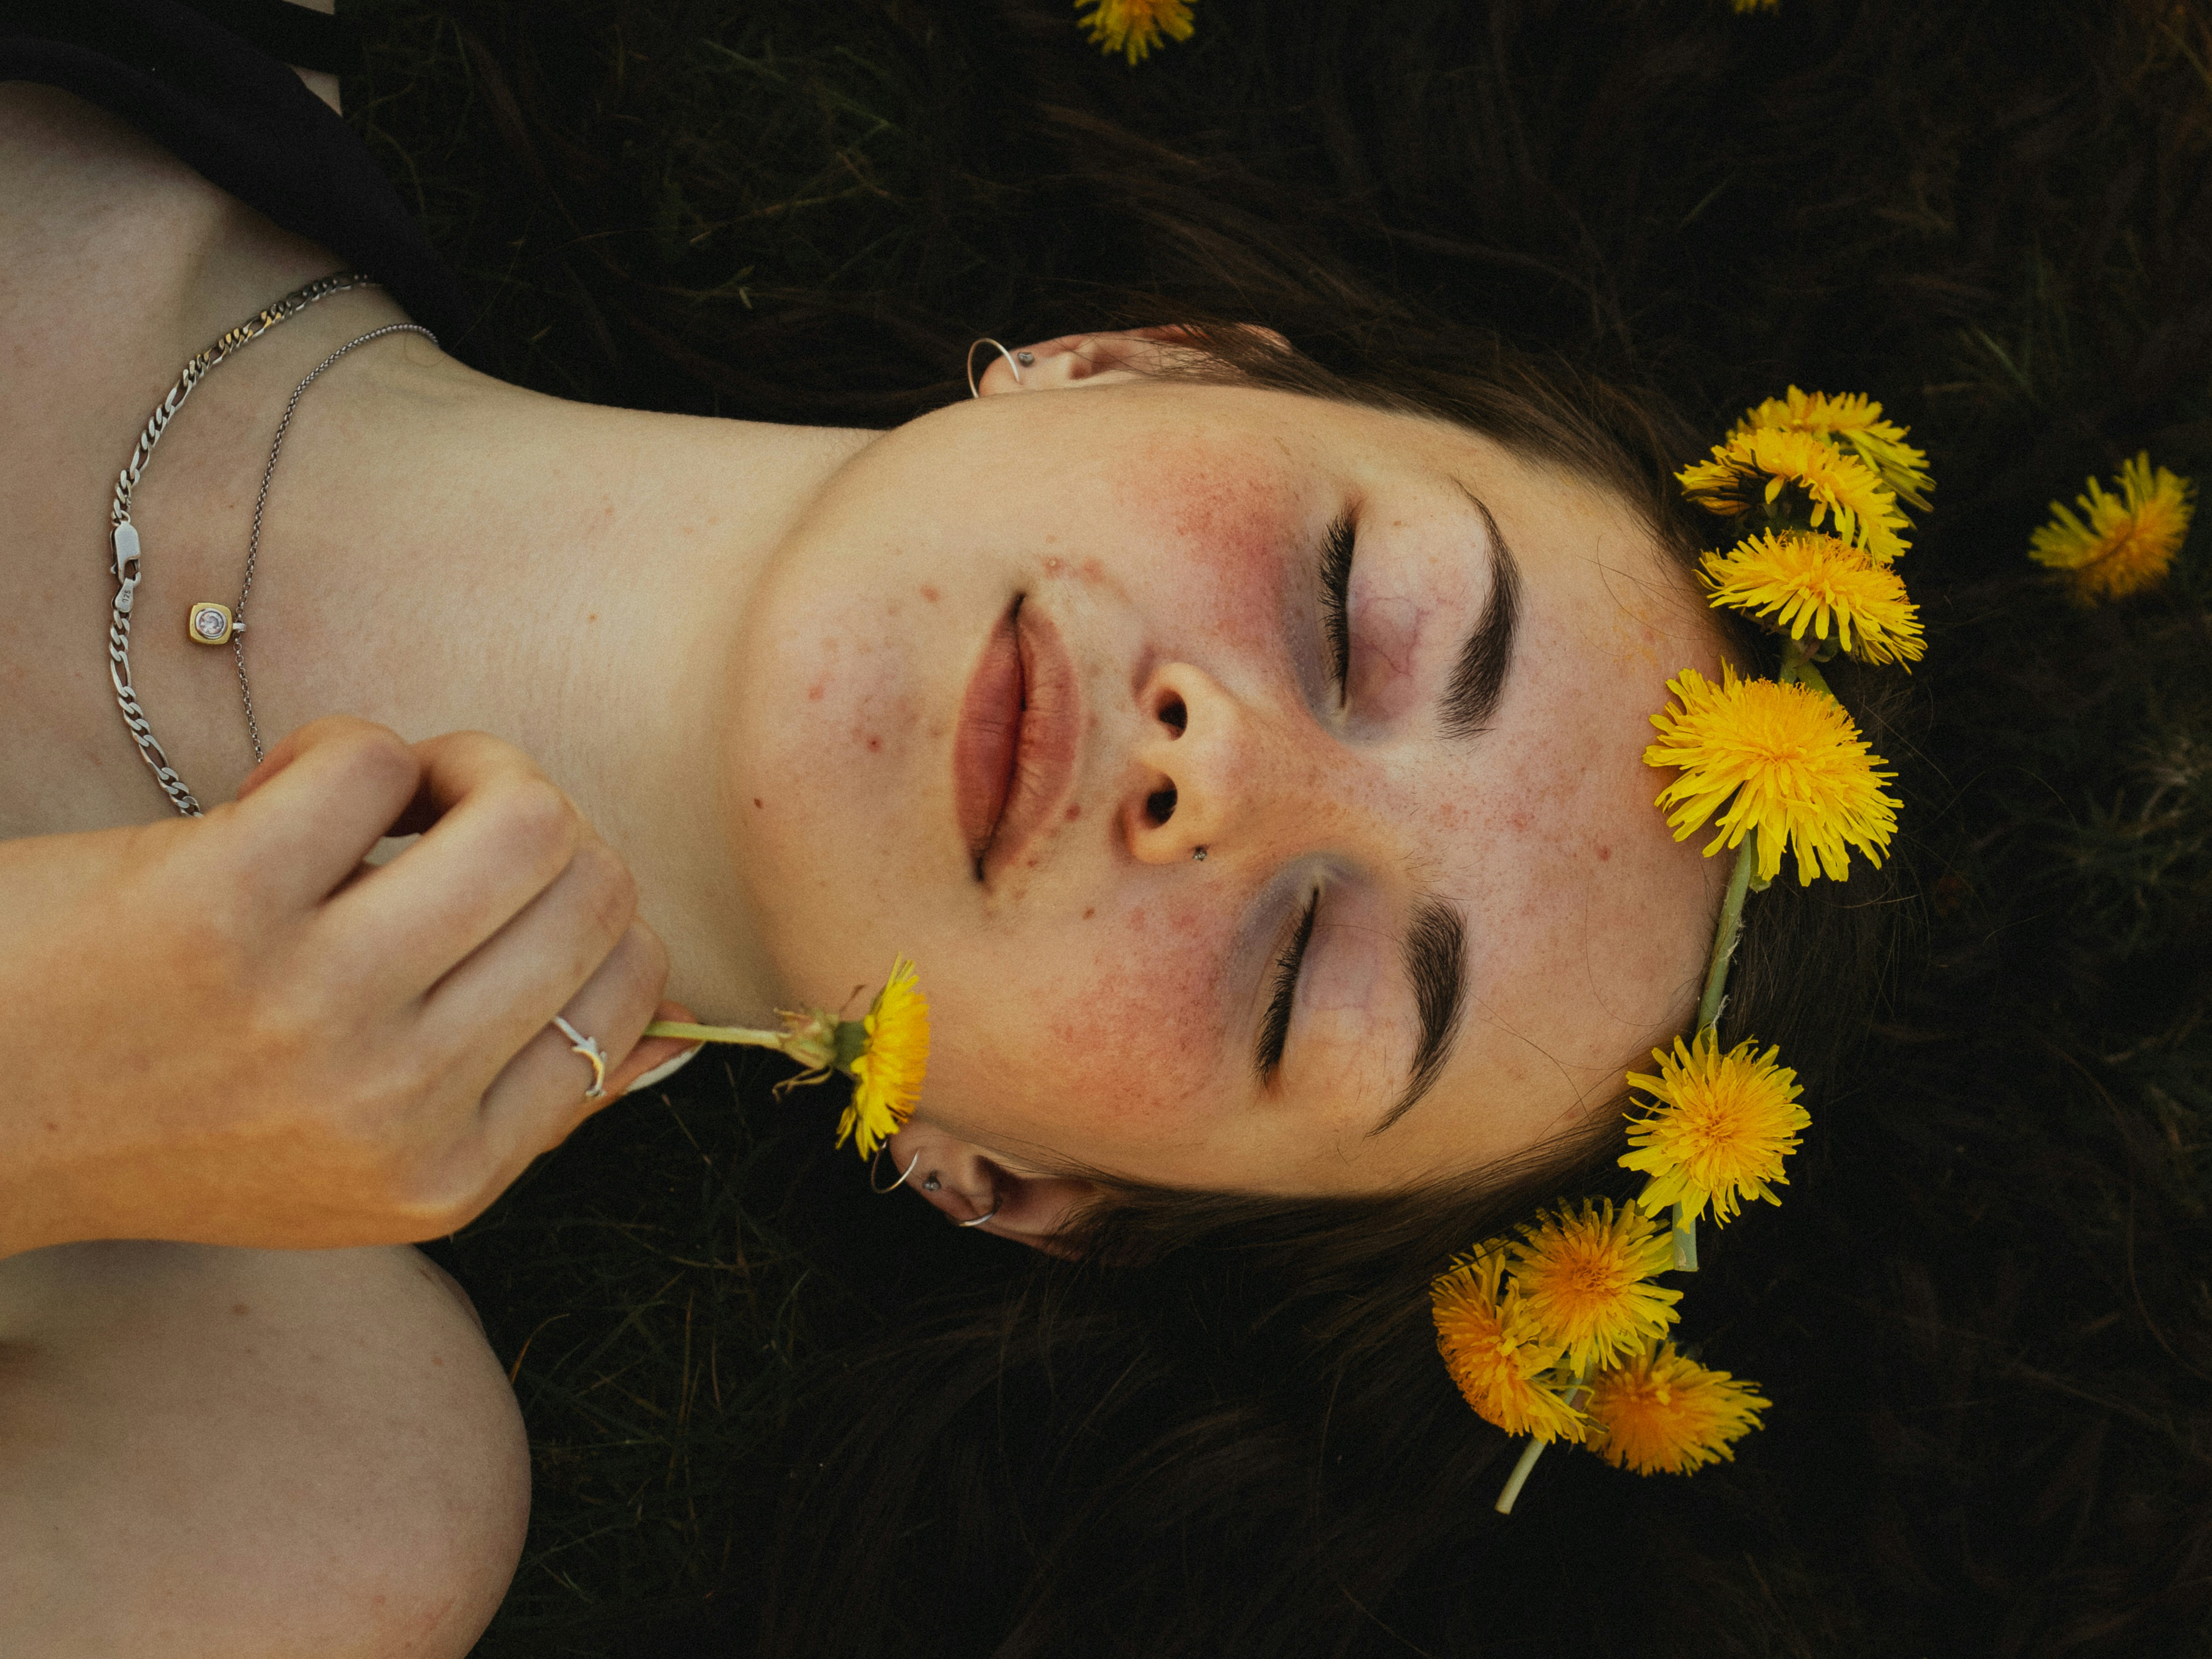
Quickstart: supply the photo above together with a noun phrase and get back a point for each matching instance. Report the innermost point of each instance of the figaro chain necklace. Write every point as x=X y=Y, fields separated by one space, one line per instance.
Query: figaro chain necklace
x=205 y=623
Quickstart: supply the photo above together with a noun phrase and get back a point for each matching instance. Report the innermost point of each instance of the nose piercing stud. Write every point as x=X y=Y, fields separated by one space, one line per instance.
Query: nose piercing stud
x=1198 y=855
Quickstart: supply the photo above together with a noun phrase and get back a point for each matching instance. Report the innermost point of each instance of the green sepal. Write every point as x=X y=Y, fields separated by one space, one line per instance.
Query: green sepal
x=852 y=1043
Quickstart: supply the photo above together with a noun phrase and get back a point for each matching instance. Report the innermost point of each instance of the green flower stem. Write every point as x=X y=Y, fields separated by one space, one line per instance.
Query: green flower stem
x=1797 y=670
x=676 y=1028
x=1533 y=1450
x=1685 y=1239
x=1724 y=935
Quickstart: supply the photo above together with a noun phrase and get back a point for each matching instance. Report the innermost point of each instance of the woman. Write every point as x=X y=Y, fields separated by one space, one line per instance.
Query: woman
x=1324 y=716
x=1130 y=541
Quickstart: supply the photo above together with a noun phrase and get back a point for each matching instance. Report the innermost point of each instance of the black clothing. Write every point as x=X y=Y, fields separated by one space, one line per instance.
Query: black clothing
x=210 y=92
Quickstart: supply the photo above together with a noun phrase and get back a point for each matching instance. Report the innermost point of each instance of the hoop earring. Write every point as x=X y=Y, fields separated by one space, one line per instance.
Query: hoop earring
x=880 y=1191
x=997 y=1205
x=986 y=340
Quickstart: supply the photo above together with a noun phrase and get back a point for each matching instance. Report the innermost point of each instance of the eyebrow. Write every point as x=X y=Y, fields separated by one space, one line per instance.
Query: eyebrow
x=1478 y=680
x=1436 y=944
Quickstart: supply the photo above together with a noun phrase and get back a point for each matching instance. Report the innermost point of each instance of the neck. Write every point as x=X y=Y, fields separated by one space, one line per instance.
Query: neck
x=441 y=552
x=568 y=578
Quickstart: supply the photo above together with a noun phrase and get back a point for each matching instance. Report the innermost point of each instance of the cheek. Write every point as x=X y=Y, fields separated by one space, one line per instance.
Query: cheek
x=1115 y=1030
x=1224 y=515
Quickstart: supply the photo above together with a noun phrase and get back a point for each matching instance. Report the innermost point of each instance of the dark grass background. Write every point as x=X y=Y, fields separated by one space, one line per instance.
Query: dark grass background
x=1995 y=1432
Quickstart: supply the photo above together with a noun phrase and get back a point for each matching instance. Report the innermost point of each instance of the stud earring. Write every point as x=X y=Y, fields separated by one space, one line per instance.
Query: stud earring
x=1025 y=358
x=1198 y=855
x=930 y=1184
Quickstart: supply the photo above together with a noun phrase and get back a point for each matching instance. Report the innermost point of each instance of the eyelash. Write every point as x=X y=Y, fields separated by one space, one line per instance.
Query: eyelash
x=1275 y=1029
x=1336 y=599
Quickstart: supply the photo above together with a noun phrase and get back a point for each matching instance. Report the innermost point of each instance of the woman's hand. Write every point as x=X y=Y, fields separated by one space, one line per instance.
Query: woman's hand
x=230 y=1030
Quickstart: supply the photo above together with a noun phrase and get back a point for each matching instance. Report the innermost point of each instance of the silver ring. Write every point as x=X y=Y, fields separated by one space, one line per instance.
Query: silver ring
x=896 y=1185
x=589 y=1048
x=1001 y=350
x=997 y=1205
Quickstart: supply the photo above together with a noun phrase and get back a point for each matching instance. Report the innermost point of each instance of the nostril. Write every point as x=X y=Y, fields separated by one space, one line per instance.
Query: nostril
x=1159 y=805
x=1172 y=712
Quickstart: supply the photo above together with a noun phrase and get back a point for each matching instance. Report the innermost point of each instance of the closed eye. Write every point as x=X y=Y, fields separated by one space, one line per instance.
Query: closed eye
x=1336 y=601
x=1275 y=1026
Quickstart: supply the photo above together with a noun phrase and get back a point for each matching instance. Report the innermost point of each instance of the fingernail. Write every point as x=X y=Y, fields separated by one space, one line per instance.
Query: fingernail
x=667 y=1069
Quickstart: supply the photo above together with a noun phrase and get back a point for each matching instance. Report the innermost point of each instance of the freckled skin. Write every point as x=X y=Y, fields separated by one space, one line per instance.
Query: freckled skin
x=1171 y=535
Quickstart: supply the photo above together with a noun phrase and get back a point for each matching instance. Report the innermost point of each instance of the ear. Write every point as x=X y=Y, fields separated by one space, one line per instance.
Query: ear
x=1102 y=359
x=1031 y=1209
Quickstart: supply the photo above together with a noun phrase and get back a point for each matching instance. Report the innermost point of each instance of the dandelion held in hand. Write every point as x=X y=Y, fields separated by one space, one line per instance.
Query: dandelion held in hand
x=886 y=1054
x=2129 y=540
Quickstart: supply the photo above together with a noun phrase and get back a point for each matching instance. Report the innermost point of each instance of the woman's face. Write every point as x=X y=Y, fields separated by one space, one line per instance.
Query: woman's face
x=1027 y=657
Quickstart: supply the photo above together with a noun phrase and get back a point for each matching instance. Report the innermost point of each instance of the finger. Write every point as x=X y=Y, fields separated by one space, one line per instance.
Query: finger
x=325 y=795
x=500 y=836
x=541 y=1096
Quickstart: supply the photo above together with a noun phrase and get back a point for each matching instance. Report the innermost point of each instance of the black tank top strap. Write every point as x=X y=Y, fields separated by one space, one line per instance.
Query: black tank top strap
x=204 y=81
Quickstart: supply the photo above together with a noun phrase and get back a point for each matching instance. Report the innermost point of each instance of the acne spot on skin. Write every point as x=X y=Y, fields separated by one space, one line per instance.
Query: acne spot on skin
x=437 y=1359
x=240 y=1308
x=756 y=800
x=874 y=744
x=814 y=691
x=1074 y=810
x=1052 y=567
x=1604 y=853
x=1092 y=571
x=930 y=593
x=592 y=617
x=1089 y=913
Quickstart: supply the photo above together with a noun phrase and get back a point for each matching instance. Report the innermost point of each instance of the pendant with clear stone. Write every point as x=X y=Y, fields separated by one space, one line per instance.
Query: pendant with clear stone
x=209 y=623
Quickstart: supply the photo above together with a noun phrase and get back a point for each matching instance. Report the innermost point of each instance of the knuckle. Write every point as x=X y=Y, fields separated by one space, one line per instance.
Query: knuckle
x=606 y=886
x=538 y=822
x=639 y=968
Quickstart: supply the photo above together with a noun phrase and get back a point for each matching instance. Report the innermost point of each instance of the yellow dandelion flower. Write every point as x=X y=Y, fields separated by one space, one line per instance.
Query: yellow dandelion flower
x=887 y=1073
x=1809 y=579
x=1495 y=1353
x=2130 y=539
x=1728 y=1121
x=1795 y=765
x=1662 y=1412
x=1585 y=1277
x=1855 y=419
x=1134 y=27
x=1866 y=513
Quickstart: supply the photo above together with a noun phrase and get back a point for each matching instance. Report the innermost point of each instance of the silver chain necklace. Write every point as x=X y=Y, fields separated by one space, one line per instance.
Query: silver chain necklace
x=206 y=623
x=194 y=624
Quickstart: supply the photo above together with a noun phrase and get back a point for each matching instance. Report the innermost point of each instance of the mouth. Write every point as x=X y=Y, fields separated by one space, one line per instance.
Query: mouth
x=1013 y=753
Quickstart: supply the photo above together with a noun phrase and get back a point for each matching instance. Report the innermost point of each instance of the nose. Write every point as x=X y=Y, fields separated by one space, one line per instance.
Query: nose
x=1214 y=770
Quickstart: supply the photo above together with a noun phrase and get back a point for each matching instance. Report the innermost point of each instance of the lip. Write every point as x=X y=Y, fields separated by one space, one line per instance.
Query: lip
x=1013 y=751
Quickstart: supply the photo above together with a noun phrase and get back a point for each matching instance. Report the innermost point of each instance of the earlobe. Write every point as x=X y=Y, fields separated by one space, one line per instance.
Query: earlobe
x=973 y=1189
